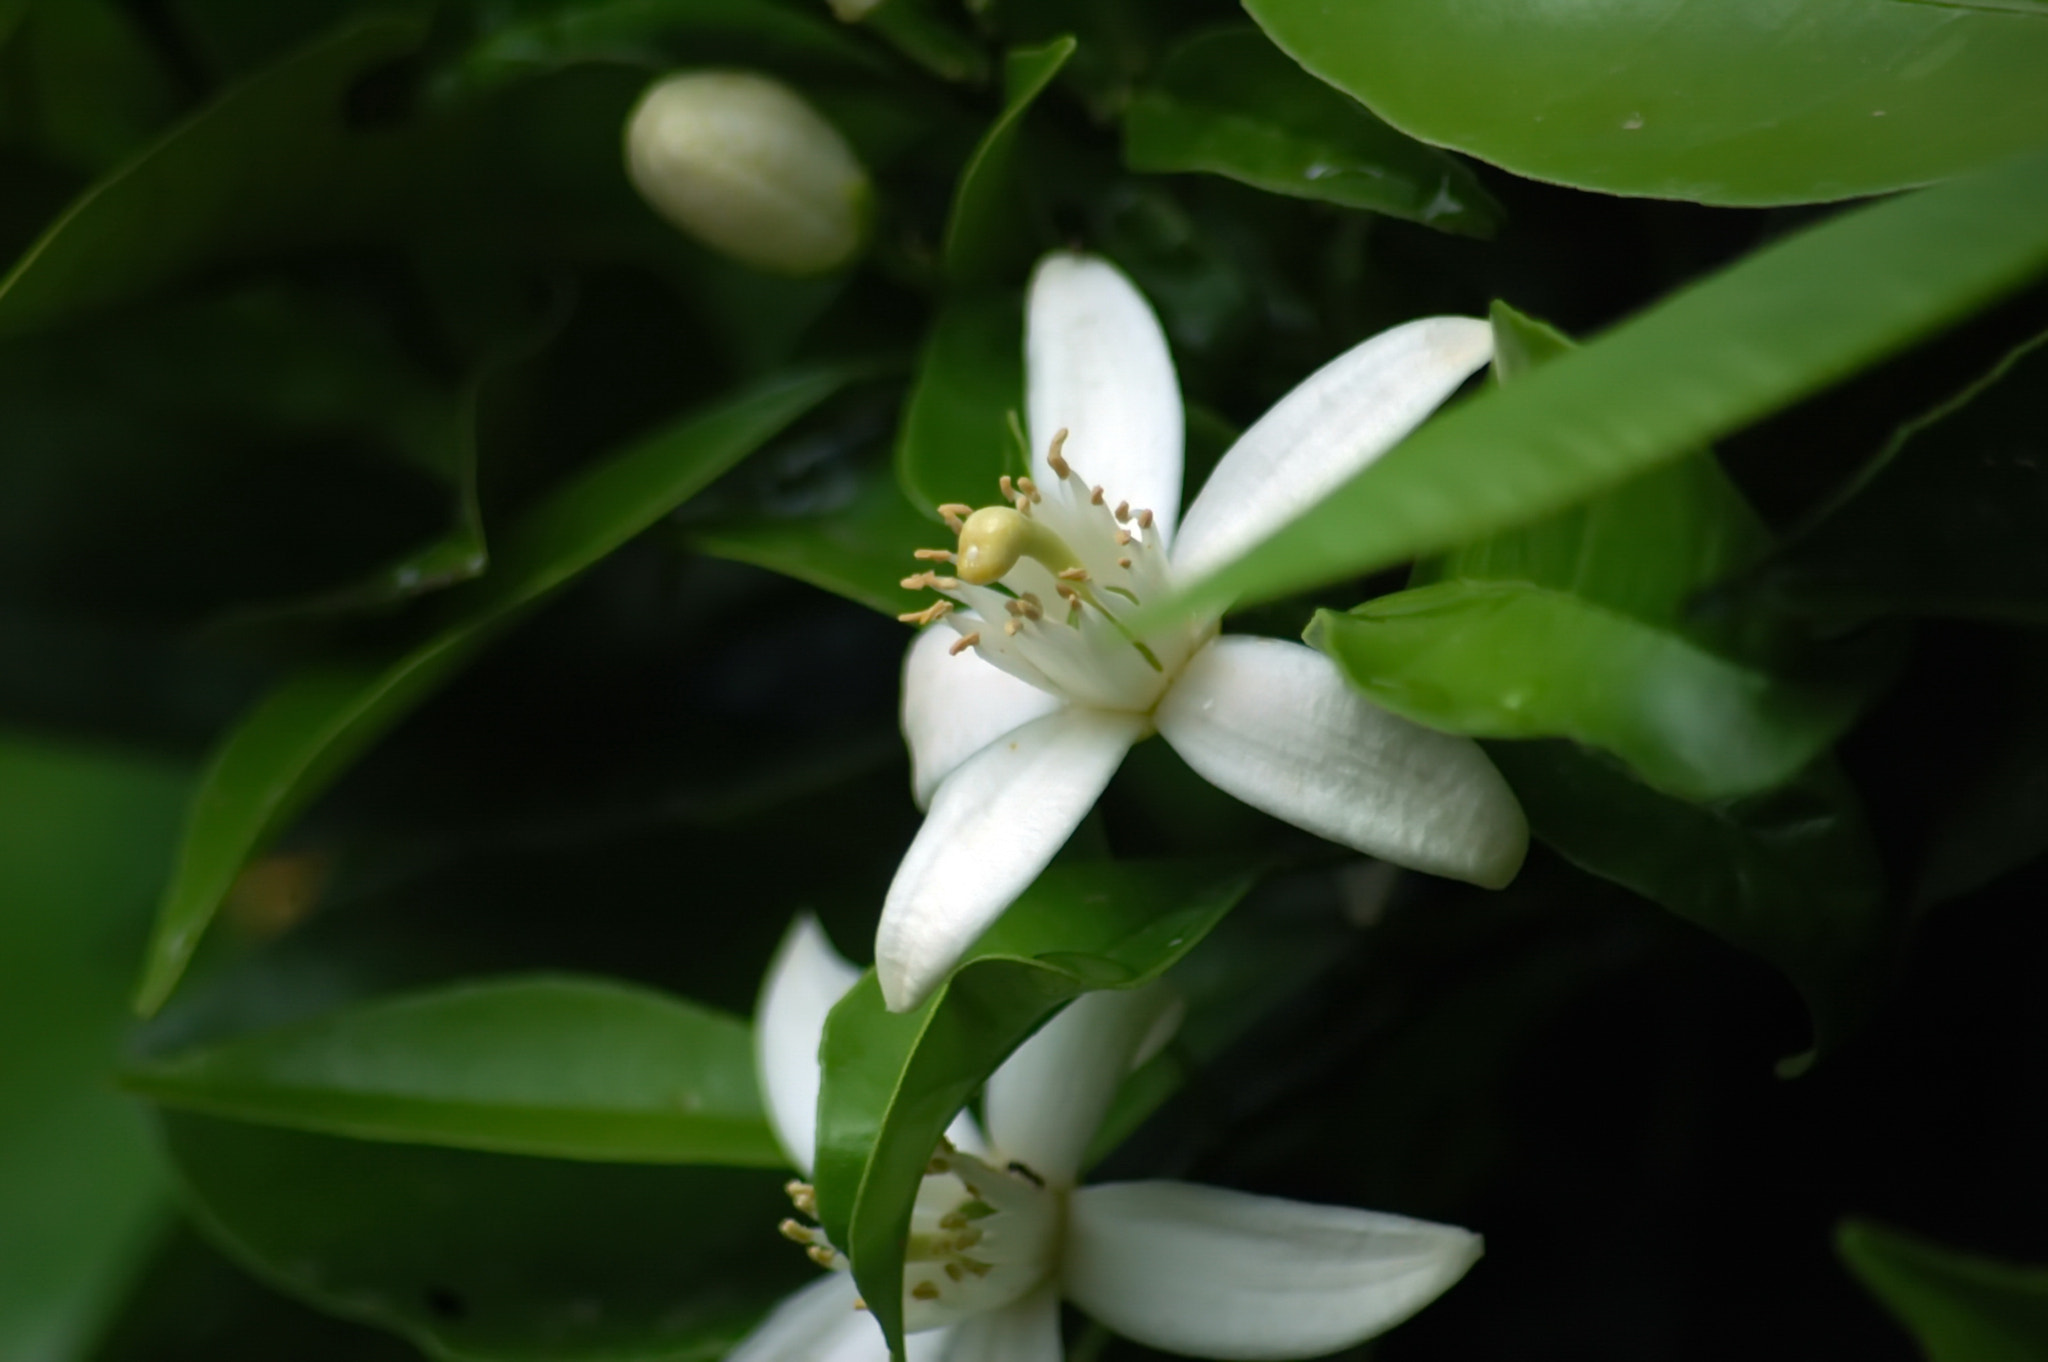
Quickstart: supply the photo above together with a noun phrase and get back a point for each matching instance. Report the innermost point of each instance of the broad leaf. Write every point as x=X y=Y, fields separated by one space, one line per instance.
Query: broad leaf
x=80 y=1188
x=271 y=161
x=562 y=1067
x=1960 y=1307
x=962 y=427
x=1947 y=521
x=1791 y=875
x=492 y=1257
x=1720 y=101
x=307 y=730
x=1230 y=103
x=893 y=1081
x=1783 y=322
x=989 y=231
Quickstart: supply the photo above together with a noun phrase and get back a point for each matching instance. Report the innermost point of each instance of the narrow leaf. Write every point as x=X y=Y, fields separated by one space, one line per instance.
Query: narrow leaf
x=1960 y=1307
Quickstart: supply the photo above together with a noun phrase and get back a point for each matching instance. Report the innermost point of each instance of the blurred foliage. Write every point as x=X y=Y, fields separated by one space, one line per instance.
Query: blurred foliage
x=500 y=581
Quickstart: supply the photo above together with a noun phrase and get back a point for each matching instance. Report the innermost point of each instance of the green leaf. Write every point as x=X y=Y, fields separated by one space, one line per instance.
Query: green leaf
x=1791 y=875
x=493 y=1257
x=859 y=550
x=562 y=1067
x=1720 y=101
x=893 y=1081
x=1947 y=521
x=307 y=730
x=990 y=231
x=1230 y=103
x=656 y=34
x=1991 y=816
x=80 y=1188
x=961 y=428
x=922 y=31
x=1519 y=660
x=1960 y=1307
x=272 y=160
x=1722 y=353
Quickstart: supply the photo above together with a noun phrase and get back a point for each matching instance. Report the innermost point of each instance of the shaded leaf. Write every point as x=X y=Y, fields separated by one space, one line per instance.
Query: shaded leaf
x=893 y=1081
x=1779 y=324
x=1230 y=103
x=1960 y=1307
x=313 y=724
x=563 y=1067
x=962 y=425
x=492 y=1257
x=989 y=232
x=1791 y=875
x=1719 y=101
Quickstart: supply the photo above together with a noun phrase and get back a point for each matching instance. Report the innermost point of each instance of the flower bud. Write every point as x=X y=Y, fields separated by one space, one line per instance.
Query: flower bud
x=743 y=164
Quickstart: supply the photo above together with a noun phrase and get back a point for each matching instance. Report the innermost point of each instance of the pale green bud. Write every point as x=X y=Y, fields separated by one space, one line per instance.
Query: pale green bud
x=743 y=164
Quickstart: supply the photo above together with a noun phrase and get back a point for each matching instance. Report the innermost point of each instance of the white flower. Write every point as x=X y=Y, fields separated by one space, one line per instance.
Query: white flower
x=1188 y=1269
x=1020 y=712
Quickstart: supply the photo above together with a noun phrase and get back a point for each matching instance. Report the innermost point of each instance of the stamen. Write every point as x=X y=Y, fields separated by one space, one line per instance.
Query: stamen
x=963 y=643
x=1010 y=628
x=797 y=1232
x=1095 y=497
x=803 y=1196
x=1123 y=537
x=937 y=610
x=1073 y=574
x=1125 y=564
x=1055 y=460
x=955 y=515
x=933 y=555
x=826 y=1257
x=1144 y=520
x=1033 y=608
x=925 y=1291
x=1026 y=487
x=954 y=1271
x=1009 y=488
x=1122 y=512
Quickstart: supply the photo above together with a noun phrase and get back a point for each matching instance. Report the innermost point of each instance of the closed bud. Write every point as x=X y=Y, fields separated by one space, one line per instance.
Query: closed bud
x=743 y=164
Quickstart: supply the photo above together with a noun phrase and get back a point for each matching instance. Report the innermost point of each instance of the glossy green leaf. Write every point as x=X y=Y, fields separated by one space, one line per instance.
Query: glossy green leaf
x=1229 y=103
x=81 y=837
x=1781 y=323
x=1721 y=101
x=1791 y=875
x=989 y=233
x=927 y=33
x=268 y=161
x=564 y=1067
x=1583 y=625
x=493 y=1257
x=962 y=427
x=860 y=550
x=307 y=730
x=1519 y=660
x=1960 y=1307
x=1947 y=521
x=893 y=1081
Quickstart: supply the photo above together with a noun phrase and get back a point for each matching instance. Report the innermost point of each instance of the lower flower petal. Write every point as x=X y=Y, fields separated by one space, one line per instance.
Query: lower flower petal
x=955 y=704
x=817 y=1324
x=1215 y=1273
x=1028 y=1331
x=1046 y=1100
x=805 y=979
x=1275 y=724
x=993 y=825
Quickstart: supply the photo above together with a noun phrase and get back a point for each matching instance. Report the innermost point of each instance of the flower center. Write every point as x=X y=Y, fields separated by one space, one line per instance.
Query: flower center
x=980 y=1238
x=1042 y=586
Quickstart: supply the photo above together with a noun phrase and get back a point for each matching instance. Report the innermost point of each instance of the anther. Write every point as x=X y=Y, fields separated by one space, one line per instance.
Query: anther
x=1123 y=537
x=952 y=1220
x=797 y=1232
x=1009 y=488
x=938 y=583
x=925 y=1291
x=1095 y=497
x=1124 y=563
x=939 y=1165
x=1055 y=460
x=937 y=610
x=1073 y=574
x=1033 y=607
x=1015 y=607
x=956 y=508
x=1010 y=627
x=916 y=581
x=803 y=1196
x=1144 y=520
x=953 y=1271
x=823 y=1256
x=1026 y=487
x=1122 y=512
x=933 y=555
x=966 y=1239
x=963 y=643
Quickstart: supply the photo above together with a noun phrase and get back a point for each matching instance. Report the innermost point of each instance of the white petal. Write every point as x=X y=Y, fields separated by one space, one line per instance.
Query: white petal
x=953 y=706
x=1335 y=422
x=1096 y=365
x=993 y=825
x=1046 y=1100
x=1275 y=724
x=1027 y=1331
x=1213 y=1273
x=816 y=1324
x=804 y=980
